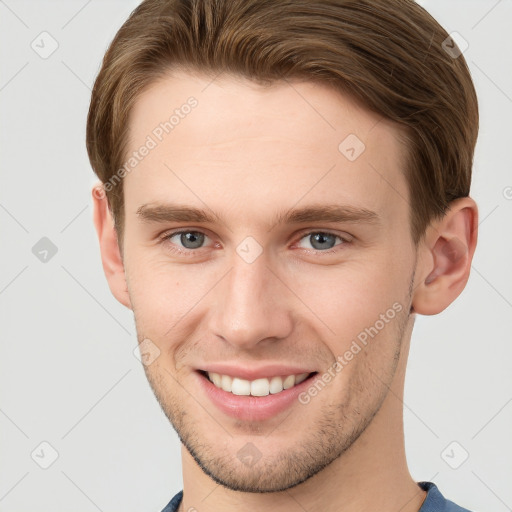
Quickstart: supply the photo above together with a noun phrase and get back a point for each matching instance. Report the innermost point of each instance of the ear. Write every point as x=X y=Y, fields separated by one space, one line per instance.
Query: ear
x=110 y=253
x=444 y=258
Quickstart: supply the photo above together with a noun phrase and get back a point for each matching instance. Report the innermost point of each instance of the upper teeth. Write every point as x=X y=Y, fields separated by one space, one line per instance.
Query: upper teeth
x=258 y=387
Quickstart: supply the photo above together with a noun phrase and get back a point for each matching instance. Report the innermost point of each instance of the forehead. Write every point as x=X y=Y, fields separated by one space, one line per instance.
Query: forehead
x=230 y=142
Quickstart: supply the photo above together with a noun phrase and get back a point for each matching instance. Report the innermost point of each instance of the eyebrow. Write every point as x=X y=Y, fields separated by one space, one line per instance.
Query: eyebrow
x=314 y=213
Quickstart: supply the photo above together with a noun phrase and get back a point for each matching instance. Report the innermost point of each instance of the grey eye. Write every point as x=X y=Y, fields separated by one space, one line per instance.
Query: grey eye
x=191 y=239
x=321 y=241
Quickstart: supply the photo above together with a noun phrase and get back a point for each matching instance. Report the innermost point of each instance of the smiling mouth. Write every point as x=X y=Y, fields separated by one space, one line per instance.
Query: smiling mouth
x=258 y=387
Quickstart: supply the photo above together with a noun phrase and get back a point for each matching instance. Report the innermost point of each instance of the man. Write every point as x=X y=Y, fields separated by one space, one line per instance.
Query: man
x=284 y=187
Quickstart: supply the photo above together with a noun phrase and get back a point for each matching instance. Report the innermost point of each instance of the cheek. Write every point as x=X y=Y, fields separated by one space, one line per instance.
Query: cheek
x=166 y=298
x=351 y=297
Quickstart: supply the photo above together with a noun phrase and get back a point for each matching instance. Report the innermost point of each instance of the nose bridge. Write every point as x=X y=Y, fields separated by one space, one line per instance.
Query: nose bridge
x=248 y=307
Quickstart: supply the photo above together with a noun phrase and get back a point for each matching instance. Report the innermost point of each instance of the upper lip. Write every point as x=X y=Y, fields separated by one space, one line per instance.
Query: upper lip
x=252 y=373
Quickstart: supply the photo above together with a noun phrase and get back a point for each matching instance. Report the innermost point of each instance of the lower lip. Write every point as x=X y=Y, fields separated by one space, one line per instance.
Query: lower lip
x=253 y=408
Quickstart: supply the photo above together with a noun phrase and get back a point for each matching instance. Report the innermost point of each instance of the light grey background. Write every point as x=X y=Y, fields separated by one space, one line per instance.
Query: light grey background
x=68 y=373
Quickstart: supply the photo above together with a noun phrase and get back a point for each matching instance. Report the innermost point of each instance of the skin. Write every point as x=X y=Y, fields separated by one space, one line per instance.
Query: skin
x=247 y=153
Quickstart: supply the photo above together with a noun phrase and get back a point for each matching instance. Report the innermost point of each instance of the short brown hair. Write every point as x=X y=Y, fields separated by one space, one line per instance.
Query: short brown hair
x=391 y=55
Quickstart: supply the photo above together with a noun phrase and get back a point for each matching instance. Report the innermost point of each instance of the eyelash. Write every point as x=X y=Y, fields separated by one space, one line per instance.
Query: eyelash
x=191 y=252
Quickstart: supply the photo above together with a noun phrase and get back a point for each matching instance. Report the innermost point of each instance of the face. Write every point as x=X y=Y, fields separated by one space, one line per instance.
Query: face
x=266 y=235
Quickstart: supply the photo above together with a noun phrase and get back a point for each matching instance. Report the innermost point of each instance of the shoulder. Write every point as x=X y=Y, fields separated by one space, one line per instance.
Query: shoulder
x=173 y=505
x=436 y=502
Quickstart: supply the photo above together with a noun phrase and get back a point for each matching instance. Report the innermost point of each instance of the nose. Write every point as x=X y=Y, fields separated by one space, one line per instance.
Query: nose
x=251 y=305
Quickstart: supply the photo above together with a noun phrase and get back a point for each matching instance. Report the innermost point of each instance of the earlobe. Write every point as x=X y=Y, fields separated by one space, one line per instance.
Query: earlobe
x=110 y=254
x=447 y=253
